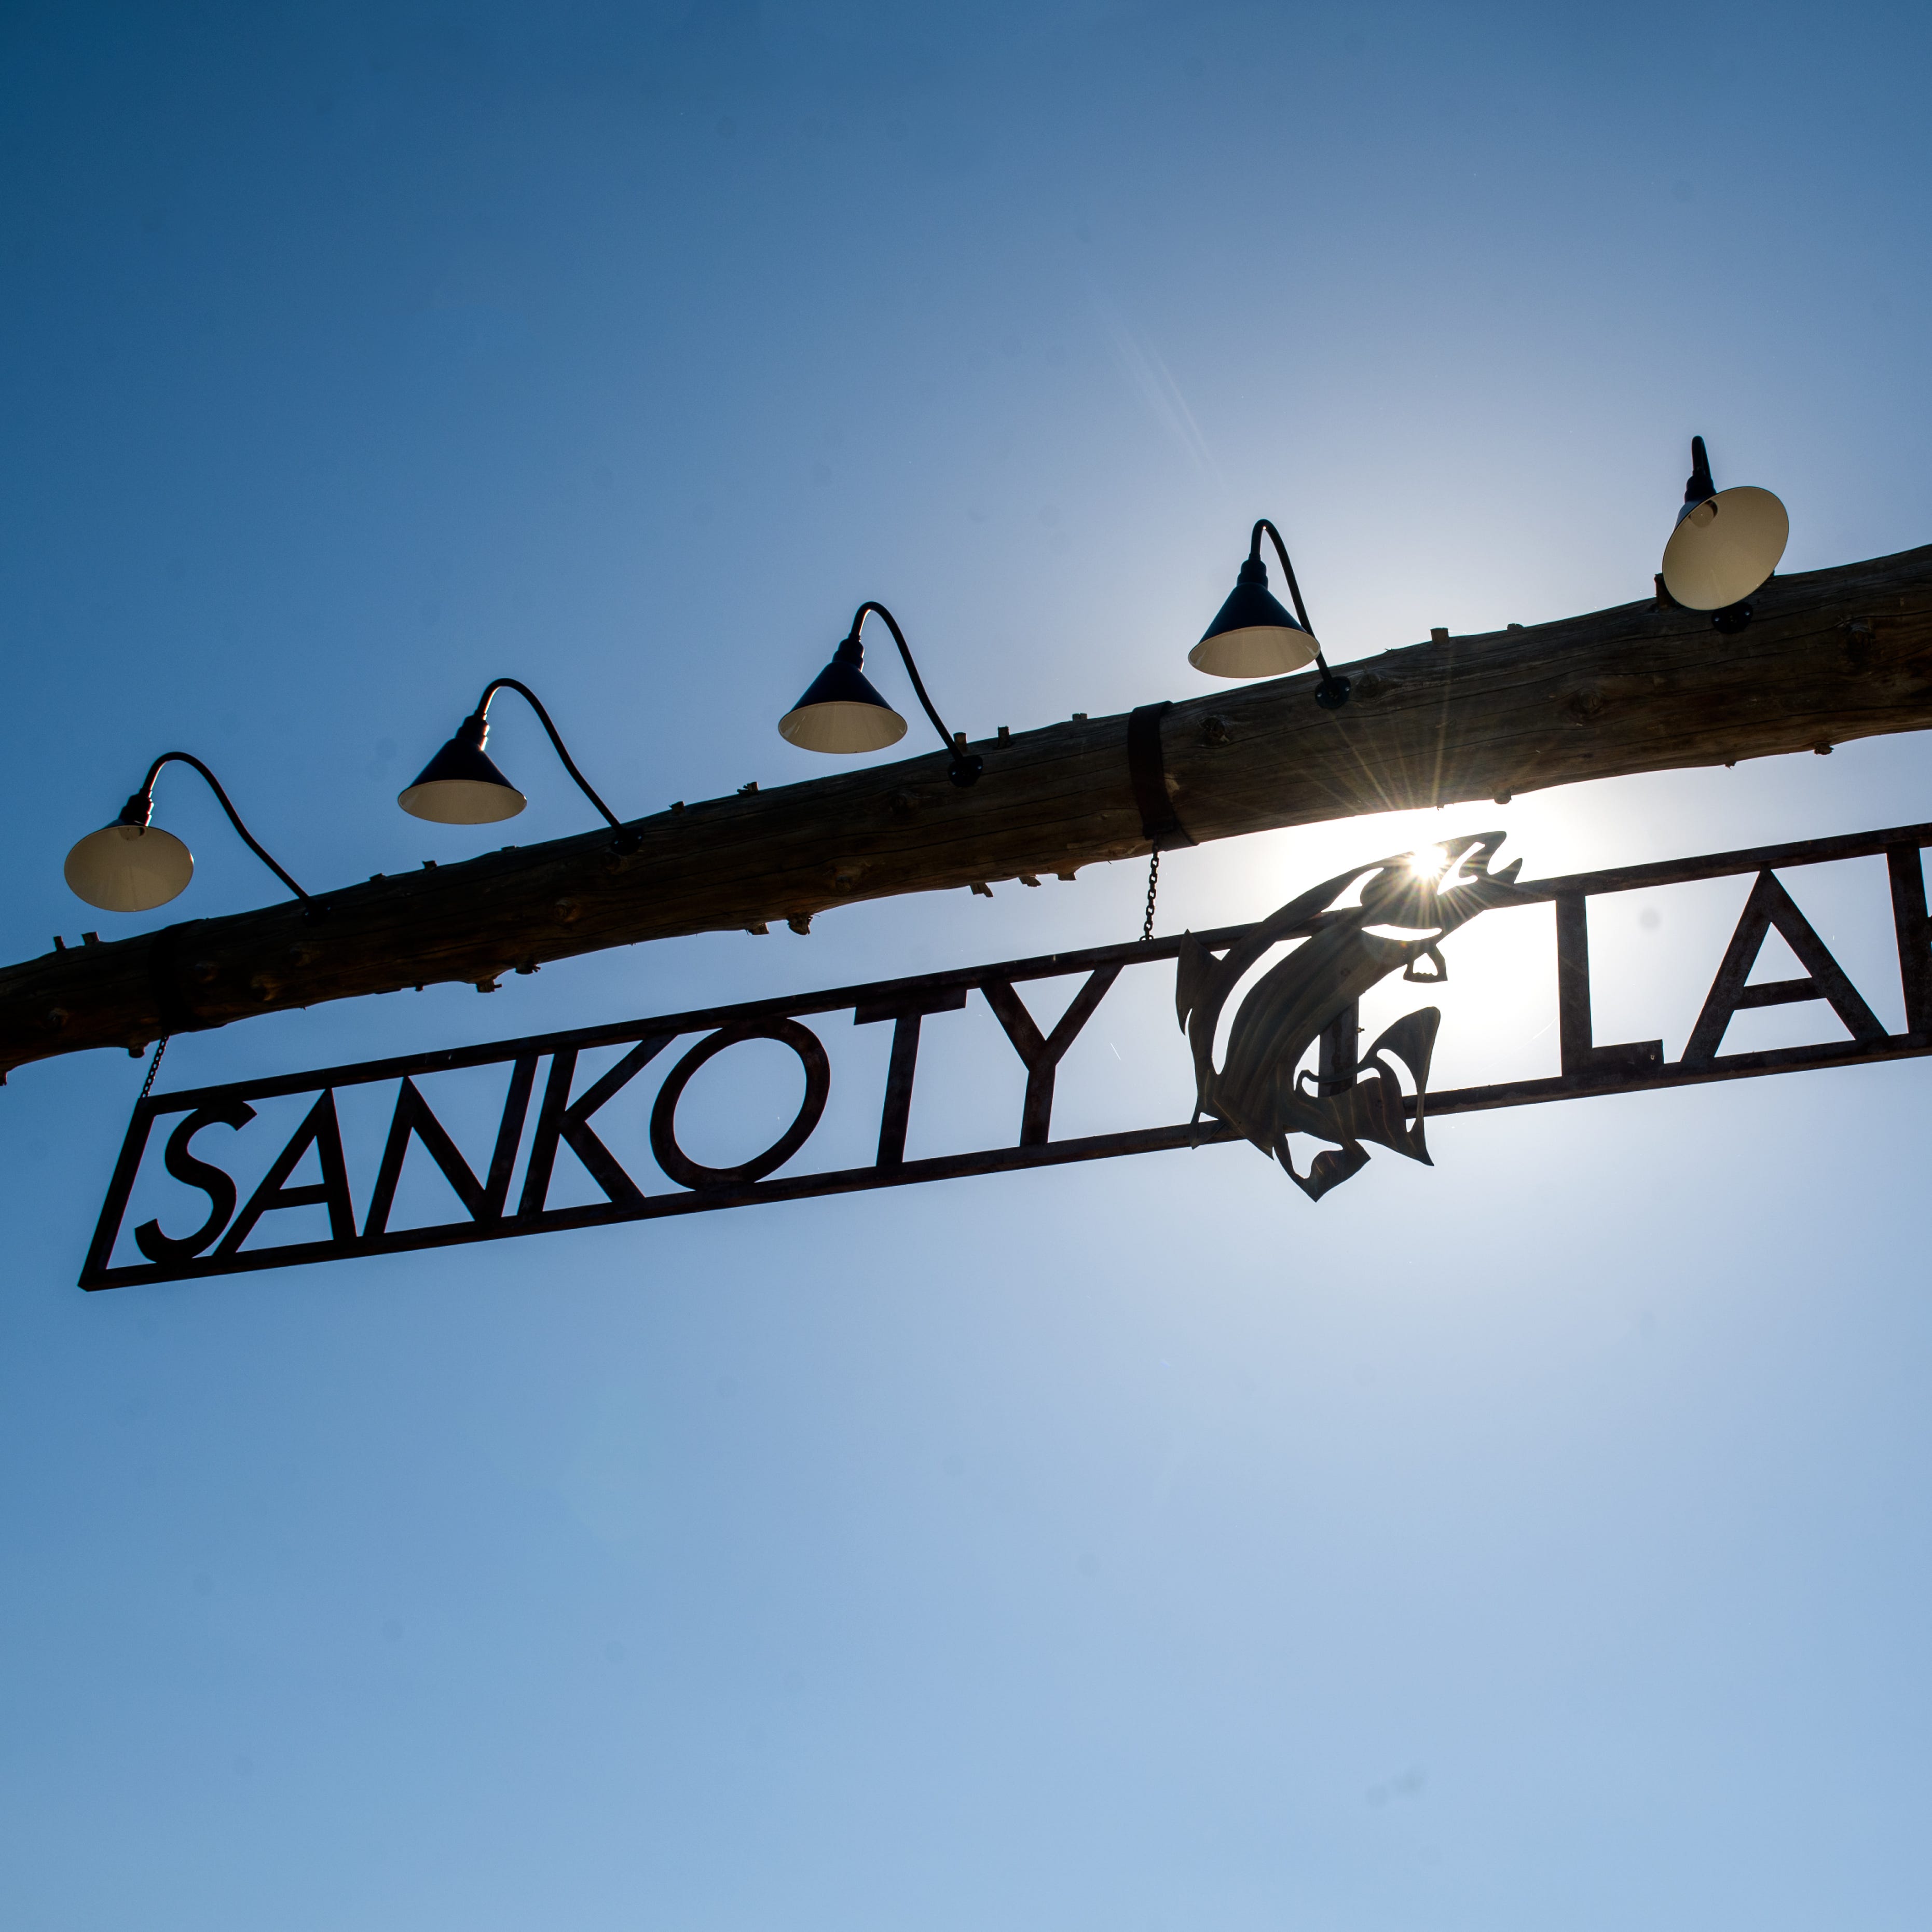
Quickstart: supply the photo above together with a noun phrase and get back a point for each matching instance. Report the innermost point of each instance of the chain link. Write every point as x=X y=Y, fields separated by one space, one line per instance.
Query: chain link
x=1154 y=887
x=154 y=1066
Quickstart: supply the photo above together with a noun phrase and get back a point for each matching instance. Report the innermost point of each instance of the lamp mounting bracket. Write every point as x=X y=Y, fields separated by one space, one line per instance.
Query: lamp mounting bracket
x=1332 y=692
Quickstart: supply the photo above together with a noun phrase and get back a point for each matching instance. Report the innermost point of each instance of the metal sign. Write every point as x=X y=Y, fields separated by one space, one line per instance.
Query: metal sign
x=1260 y=1092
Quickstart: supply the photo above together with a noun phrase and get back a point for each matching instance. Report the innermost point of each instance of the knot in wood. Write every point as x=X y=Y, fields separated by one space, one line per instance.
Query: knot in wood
x=1370 y=685
x=203 y=972
x=1214 y=731
x=265 y=987
x=566 y=911
x=1585 y=703
x=902 y=805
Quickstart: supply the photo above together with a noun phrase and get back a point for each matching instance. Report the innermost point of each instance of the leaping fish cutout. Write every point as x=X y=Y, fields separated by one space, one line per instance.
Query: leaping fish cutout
x=1256 y=1091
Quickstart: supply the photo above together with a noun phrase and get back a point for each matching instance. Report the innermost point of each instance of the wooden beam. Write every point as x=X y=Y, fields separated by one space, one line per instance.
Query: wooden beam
x=1832 y=656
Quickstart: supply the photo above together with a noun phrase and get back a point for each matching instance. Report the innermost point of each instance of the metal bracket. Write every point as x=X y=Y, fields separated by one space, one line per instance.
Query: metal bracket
x=176 y=1011
x=1148 y=771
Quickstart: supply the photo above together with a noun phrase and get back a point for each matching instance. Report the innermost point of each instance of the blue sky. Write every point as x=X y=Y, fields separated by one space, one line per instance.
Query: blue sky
x=1535 y=1539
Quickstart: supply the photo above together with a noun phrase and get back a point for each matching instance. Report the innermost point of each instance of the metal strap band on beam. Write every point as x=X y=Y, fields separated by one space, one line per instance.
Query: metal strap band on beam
x=177 y=1013
x=1145 y=766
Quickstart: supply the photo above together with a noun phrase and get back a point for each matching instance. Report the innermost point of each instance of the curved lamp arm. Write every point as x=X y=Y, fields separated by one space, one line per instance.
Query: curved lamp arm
x=967 y=765
x=535 y=704
x=1332 y=693
x=138 y=808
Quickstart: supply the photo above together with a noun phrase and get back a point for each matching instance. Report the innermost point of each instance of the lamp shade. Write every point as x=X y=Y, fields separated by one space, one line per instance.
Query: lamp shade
x=1724 y=546
x=126 y=867
x=460 y=785
x=841 y=712
x=1252 y=635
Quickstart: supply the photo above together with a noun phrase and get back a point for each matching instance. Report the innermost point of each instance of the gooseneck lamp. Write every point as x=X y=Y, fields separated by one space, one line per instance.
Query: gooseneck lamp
x=841 y=712
x=461 y=784
x=133 y=866
x=1251 y=636
x=1726 y=544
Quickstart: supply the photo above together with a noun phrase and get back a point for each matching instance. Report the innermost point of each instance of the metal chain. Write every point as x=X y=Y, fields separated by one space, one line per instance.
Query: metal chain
x=1154 y=887
x=154 y=1066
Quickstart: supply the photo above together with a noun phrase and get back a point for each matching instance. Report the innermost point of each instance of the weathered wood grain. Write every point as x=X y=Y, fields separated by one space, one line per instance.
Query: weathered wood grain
x=1833 y=655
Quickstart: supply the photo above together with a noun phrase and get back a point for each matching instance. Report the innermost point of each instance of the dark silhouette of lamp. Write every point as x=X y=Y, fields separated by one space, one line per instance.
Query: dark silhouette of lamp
x=1726 y=545
x=1252 y=635
x=841 y=711
x=133 y=866
x=461 y=784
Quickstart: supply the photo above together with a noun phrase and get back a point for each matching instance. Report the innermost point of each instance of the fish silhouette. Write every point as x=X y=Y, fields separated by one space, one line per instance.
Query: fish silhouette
x=1256 y=1091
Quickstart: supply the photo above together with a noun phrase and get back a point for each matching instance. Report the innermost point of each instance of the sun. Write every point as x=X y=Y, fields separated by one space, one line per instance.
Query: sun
x=1428 y=862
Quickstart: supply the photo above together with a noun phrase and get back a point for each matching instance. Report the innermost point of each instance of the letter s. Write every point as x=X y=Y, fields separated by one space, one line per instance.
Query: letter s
x=220 y=1188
